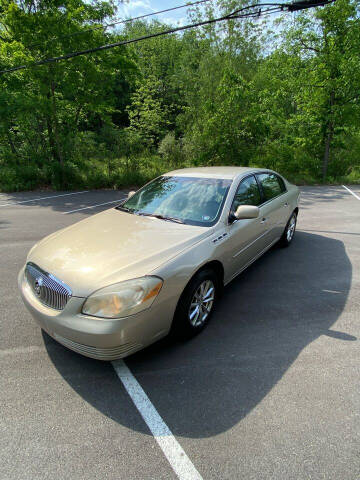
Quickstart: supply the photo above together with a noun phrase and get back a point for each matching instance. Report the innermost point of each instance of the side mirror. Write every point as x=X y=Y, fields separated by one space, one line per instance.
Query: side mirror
x=131 y=193
x=245 y=212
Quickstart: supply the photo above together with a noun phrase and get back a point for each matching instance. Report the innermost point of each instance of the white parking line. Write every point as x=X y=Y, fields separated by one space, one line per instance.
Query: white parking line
x=93 y=206
x=179 y=461
x=43 y=198
x=352 y=193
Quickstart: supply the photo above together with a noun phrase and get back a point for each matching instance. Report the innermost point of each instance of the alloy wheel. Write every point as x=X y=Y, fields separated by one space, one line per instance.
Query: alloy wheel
x=201 y=303
x=291 y=228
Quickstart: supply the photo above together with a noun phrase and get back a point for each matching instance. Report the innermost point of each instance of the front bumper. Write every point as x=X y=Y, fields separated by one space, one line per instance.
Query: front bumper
x=102 y=339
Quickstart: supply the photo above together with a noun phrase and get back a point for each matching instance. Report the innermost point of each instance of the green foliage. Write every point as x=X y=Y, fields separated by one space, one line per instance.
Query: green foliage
x=148 y=115
x=222 y=94
x=172 y=150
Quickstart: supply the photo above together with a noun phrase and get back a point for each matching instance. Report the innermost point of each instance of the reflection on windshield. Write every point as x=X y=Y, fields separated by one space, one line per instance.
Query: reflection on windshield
x=191 y=200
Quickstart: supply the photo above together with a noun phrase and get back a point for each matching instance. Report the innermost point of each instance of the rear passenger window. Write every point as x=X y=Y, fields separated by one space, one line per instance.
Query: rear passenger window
x=272 y=185
x=248 y=193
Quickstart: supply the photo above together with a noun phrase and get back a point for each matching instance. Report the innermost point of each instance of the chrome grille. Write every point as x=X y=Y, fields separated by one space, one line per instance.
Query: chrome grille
x=49 y=290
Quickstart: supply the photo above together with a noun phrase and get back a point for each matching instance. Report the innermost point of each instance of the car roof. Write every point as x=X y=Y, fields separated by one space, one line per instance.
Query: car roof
x=213 y=172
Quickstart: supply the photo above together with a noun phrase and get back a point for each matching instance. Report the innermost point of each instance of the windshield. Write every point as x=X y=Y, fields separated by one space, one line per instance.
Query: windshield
x=190 y=200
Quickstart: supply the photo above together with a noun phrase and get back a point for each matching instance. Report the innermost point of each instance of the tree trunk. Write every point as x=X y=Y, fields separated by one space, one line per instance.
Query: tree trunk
x=40 y=129
x=12 y=146
x=52 y=142
x=56 y=127
x=329 y=133
x=77 y=115
x=52 y=127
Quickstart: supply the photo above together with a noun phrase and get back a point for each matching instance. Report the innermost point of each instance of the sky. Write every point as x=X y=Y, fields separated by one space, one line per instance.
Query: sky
x=141 y=7
x=129 y=8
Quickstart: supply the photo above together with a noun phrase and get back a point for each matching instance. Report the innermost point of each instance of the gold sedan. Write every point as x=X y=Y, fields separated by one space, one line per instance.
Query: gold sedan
x=120 y=280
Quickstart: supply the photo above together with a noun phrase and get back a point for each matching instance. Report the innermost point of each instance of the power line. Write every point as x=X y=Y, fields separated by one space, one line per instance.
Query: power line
x=121 y=21
x=269 y=8
x=117 y=44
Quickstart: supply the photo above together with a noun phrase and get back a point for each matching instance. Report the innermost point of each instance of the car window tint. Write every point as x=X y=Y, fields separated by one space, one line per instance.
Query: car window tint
x=270 y=185
x=282 y=184
x=248 y=193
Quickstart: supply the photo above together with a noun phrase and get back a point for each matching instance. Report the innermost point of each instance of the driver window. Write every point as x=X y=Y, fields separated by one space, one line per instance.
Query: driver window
x=248 y=193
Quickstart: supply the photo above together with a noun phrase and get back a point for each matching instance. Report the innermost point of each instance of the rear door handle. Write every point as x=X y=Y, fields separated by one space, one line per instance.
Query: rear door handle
x=286 y=204
x=264 y=220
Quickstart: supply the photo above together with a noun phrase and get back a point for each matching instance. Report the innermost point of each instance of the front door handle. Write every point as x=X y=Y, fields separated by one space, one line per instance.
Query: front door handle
x=286 y=204
x=264 y=220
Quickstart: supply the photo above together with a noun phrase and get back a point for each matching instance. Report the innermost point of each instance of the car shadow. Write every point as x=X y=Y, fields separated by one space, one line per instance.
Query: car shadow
x=267 y=316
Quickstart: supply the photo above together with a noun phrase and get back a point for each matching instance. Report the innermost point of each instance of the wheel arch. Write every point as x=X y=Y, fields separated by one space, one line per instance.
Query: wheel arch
x=214 y=265
x=217 y=267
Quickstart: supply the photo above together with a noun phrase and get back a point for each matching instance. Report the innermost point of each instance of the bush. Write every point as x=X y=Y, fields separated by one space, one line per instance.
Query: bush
x=15 y=178
x=103 y=170
x=171 y=150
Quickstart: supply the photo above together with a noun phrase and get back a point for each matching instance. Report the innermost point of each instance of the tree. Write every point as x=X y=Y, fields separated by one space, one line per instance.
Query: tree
x=327 y=44
x=148 y=115
x=42 y=108
x=235 y=92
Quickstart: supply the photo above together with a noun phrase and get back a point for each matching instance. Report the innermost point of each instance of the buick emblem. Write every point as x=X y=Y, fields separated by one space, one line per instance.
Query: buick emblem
x=37 y=286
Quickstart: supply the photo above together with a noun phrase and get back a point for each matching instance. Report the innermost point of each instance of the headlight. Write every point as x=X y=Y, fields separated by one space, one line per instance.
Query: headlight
x=123 y=299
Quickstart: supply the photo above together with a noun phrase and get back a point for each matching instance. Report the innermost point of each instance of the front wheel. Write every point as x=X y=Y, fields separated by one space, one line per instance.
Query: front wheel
x=289 y=231
x=196 y=304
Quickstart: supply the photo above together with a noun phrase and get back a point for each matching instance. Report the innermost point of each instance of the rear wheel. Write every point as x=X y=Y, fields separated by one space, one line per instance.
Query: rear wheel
x=196 y=304
x=289 y=231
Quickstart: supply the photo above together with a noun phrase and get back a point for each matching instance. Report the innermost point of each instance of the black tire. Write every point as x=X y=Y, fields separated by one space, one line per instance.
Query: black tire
x=287 y=236
x=182 y=326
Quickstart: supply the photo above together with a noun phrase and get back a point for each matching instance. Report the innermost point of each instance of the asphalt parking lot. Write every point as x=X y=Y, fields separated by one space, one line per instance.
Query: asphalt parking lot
x=270 y=390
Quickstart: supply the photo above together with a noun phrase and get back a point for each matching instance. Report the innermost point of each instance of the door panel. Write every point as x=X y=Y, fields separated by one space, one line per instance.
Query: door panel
x=275 y=209
x=245 y=238
x=273 y=214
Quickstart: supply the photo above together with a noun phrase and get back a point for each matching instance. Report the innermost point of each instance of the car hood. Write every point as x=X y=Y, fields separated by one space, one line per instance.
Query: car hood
x=110 y=247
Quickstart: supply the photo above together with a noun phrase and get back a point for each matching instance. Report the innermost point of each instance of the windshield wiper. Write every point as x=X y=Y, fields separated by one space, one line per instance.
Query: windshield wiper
x=162 y=217
x=125 y=209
